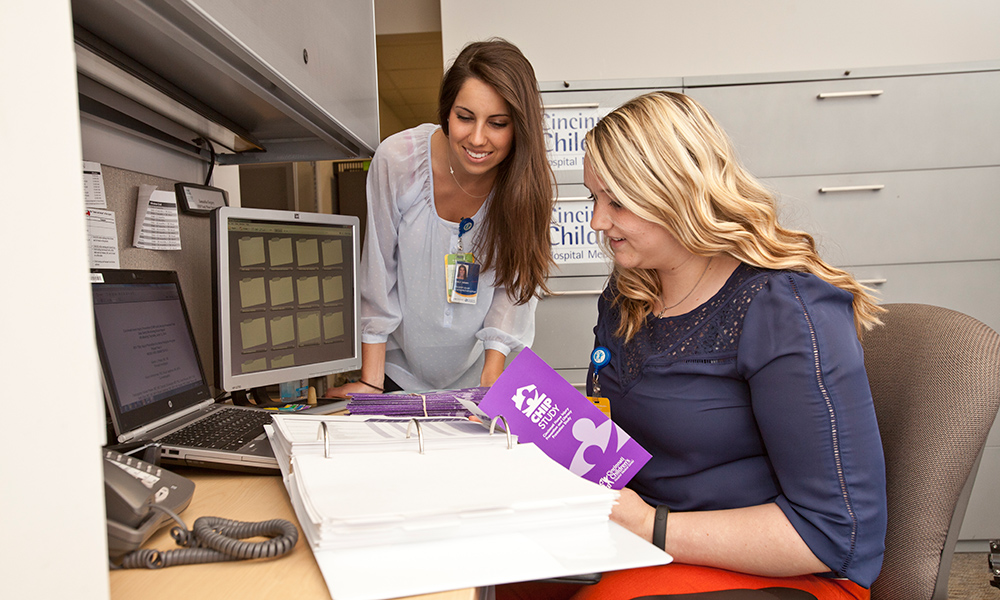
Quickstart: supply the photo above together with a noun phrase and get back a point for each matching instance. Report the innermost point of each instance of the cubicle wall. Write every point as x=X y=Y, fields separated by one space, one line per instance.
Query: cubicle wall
x=192 y=262
x=267 y=83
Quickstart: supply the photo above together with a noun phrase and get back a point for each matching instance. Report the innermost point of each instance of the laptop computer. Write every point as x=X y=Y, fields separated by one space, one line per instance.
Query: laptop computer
x=154 y=383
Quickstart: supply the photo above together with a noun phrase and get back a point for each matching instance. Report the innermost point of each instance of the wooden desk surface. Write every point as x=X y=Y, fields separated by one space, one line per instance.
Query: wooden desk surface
x=243 y=498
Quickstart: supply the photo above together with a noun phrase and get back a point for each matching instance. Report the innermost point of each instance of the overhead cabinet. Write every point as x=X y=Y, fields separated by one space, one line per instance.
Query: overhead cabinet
x=267 y=81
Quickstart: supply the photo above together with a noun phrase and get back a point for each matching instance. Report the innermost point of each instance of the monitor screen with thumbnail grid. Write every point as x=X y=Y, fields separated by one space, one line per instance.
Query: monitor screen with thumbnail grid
x=286 y=296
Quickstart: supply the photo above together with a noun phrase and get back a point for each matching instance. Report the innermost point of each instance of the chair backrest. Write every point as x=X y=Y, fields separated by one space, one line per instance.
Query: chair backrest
x=935 y=379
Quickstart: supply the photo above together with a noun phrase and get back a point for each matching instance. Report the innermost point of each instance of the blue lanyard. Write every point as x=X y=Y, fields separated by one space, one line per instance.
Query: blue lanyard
x=464 y=226
x=599 y=358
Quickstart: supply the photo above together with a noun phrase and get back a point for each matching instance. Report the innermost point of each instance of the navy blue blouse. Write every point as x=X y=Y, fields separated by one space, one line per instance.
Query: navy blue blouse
x=757 y=396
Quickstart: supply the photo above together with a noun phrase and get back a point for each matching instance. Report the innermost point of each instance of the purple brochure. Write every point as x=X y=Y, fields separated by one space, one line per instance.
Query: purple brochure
x=544 y=409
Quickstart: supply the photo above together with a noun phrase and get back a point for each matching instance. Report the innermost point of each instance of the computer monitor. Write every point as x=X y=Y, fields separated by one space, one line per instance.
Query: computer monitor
x=285 y=296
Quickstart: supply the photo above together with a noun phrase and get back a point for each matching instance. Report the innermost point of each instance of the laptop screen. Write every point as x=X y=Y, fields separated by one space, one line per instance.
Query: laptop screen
x=148 y=357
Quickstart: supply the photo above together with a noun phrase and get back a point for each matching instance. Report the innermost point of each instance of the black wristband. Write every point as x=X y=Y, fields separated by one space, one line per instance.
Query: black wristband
x=374 y=387
x=660 y=527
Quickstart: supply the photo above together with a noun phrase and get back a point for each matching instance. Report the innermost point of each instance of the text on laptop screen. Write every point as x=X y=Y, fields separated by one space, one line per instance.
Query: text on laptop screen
x=286 y=297
x=146 y=343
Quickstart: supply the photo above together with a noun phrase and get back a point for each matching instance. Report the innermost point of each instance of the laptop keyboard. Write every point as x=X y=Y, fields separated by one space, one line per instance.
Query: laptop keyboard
x=222 y=429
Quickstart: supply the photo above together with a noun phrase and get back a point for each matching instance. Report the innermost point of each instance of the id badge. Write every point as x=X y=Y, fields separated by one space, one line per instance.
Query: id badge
x=450 y=272
x=602 y=404
x=466 y=286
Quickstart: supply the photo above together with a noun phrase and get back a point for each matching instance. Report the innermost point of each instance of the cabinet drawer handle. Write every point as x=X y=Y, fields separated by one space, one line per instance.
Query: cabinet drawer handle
x=872 y=282
x=827 y=95
x=577 y=293
x=851 y=188
x=581 y=105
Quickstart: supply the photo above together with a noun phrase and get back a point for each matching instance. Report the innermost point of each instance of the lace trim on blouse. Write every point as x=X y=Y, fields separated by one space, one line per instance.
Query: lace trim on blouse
x=713 y=328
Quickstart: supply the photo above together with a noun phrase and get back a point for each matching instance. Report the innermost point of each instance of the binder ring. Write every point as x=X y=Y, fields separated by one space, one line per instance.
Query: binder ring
x=324 y=431
x=506 y=428
x=420 y=433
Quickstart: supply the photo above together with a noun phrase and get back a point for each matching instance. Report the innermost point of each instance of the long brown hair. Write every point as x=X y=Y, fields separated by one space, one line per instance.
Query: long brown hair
x=669 y=162
x=515 y=238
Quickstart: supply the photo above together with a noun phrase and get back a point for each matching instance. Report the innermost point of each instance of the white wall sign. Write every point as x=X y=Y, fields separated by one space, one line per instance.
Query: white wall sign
x=565 y=127
x=573 y=241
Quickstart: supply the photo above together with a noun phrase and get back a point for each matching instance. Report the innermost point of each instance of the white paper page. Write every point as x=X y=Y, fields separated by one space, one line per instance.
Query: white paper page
x=396 y=570
x=102 y=238
x=400 y=570
x=93 y=186
x=157 y=226
x=366 y=487
x=281 y=453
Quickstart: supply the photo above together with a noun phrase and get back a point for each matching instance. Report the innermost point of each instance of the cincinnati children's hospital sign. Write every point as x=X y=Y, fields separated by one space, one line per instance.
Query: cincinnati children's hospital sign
x=566 y=125
x=573 y=241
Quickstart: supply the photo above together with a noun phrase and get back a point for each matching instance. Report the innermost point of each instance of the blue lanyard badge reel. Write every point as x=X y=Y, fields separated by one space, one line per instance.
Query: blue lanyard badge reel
x=599 y=358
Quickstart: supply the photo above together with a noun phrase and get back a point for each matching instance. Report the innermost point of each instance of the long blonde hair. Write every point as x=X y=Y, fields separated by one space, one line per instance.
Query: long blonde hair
x=666 y=160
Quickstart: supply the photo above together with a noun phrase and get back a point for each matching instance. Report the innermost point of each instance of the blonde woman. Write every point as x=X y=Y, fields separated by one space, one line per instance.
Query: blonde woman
x=736 y=362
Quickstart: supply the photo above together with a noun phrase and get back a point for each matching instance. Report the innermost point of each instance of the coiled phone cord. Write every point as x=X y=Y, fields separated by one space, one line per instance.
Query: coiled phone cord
x=215 y=539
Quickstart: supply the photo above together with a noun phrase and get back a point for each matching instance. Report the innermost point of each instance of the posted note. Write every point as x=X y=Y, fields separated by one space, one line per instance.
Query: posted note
x=93 y=185
x=156 y=224
x=102 y=238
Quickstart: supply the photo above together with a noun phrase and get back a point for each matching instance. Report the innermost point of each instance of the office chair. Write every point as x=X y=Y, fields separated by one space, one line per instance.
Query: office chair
x=935 y=379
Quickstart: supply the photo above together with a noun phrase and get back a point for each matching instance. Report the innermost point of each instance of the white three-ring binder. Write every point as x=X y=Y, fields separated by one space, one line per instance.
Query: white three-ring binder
x=442 y=505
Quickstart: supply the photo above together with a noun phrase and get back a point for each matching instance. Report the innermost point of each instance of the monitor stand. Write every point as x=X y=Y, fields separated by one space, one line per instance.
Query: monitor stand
x=260 y=398
x=257 y=397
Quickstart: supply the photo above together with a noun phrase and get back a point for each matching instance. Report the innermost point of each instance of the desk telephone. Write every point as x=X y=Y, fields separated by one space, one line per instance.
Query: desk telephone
x=141 y=497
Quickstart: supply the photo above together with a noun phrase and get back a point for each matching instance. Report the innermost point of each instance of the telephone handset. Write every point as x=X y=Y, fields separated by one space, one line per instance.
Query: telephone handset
x=141 y=497
x=132 y=488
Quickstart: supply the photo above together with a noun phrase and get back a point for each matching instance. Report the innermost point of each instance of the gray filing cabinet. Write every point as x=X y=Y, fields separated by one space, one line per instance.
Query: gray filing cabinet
x=895 y=172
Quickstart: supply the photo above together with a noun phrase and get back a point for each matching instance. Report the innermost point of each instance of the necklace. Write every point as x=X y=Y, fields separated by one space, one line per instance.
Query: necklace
x=452 y=171
x=686 y=296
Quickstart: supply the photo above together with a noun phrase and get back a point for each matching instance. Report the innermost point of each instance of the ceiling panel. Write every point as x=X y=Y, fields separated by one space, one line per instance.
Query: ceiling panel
x=410 y=67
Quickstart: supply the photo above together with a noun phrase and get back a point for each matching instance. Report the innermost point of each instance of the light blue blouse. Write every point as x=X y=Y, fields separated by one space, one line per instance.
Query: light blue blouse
x=430 y=343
